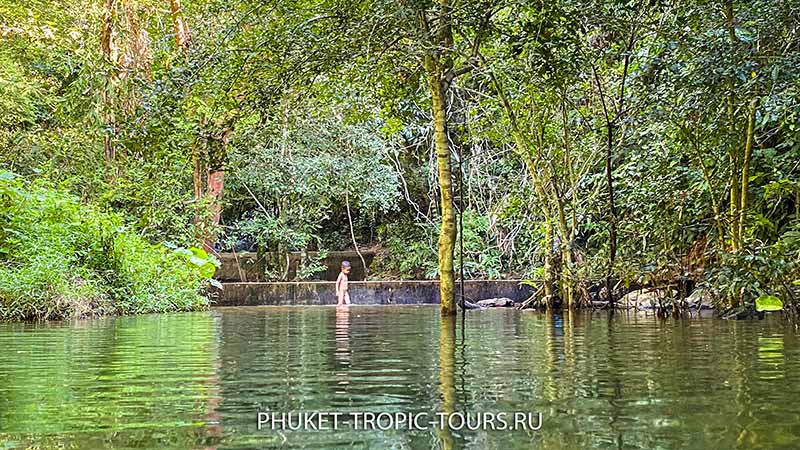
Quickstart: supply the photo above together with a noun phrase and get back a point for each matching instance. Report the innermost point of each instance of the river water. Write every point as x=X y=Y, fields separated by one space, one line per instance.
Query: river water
x=199 y=381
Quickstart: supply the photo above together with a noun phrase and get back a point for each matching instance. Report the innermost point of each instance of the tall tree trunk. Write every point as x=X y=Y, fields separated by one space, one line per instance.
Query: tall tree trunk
x=733 y=151
x=208 y=152
x=447 y=232
x=438 y=63
x=199 y=151
x=612 y=214
x=611 y=122
x=734 y=157
x=200 y=147
x=558 y=200
x=107 y=94
x=137 y=52
x=612 y=208
x=215 y=183
x=549 y=267
x=735 y=201
x=567 y=280
x=748 y=153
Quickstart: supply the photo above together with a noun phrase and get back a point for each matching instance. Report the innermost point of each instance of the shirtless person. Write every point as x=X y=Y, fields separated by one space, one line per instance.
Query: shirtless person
x=342 y=296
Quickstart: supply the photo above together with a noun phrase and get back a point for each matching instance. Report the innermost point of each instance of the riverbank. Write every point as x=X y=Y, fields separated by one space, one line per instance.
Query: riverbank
x=62 y=258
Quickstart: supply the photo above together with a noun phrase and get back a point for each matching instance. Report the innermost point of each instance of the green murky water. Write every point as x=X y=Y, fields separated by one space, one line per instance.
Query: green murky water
x=198 y=381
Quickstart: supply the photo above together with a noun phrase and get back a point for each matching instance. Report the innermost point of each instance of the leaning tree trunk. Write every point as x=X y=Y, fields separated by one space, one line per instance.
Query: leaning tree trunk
x=447 y=232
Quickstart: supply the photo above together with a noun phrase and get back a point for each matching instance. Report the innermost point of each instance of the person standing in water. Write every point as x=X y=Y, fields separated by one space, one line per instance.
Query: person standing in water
x=342 y=296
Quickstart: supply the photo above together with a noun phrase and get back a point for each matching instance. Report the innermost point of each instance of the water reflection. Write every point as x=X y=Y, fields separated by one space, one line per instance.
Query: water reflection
x=342 y=339
x=770 y=358
x=447 y=385
x=109 y=382
x=196 y=381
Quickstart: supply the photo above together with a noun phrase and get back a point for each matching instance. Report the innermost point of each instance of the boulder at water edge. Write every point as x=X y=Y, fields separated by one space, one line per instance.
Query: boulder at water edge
x=496 y=302
x=647 y=299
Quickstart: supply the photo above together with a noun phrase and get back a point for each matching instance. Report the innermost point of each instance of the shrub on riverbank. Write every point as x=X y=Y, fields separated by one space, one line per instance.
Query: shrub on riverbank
x=61 y=258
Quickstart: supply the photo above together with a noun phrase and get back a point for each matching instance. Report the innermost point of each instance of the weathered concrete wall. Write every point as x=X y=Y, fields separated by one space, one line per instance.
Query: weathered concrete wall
x=334 y=264
x=250 y=267
x=362 y=292
x=241 y=266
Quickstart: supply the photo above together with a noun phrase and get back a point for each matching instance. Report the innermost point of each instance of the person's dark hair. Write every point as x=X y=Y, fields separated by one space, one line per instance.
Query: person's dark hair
x=345 y=264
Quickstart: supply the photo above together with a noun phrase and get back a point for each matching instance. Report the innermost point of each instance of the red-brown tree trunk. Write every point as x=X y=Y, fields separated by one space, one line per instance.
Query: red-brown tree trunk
x=214 y=187
x=182 y=37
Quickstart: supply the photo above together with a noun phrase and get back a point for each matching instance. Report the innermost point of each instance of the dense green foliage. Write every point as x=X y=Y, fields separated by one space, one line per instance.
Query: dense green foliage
x=303 y=168
x=604 y=143
x=61 y=258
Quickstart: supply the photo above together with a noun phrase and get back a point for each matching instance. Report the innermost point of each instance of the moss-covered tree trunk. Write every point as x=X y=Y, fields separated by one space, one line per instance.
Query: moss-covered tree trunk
x=438 y=64
x=733 y=152
x=748 y=154
x=447 y=231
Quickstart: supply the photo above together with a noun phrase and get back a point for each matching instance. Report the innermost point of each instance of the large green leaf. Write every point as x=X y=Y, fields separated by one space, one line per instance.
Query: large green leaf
x=199 y=258
x=199 y=253
x=768 y=303
x=207 y=270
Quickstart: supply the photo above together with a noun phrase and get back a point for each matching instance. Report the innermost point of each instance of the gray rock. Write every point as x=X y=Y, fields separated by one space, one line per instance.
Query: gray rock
x=701 y=299
x=496 y=302
x=470 y=305
x=647 y=299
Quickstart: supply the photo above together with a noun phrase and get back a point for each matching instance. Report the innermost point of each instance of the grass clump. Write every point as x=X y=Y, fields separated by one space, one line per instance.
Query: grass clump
x=61 y=258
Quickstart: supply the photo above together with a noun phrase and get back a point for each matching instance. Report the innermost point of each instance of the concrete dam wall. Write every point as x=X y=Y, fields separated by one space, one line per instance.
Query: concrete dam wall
x=362 y=292
x=244 y=283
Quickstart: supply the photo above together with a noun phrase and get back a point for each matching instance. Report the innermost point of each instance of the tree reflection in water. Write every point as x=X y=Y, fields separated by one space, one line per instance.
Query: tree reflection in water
x=342 y=337
x=447 y=385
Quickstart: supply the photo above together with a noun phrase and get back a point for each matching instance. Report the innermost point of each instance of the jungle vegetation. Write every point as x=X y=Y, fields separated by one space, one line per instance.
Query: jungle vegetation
x=588 y=146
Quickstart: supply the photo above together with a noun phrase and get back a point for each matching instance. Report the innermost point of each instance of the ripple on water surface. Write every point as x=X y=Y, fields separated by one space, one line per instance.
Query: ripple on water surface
x=197 y=380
